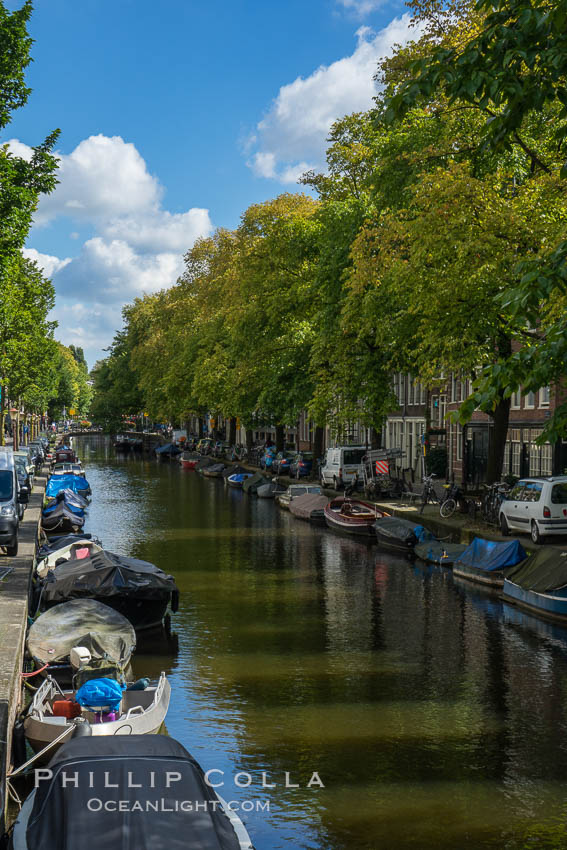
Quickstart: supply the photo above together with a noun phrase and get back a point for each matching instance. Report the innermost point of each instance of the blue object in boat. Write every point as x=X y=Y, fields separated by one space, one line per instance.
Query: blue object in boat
x=489 y=555
x=100 y=694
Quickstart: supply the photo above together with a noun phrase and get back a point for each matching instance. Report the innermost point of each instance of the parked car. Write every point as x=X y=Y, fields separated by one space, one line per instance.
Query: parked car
x=267 y=459
x=282 y=463
x=536 y=506
x=11 y=507
x=24 y=480
x=205 y=446
x=301 y=465
x=341 y=466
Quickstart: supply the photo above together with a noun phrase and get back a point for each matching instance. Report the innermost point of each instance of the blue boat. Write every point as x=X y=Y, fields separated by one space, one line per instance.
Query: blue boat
x=540 y=584
x=238 y=479
x=488 y=561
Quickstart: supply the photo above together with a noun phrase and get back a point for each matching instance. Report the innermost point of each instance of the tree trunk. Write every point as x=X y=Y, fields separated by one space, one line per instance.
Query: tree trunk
x=497 y=441
x=318 y=443
x=249 y=438
x=280 y=434
x=17 y=429
x=375 y=439
x=232 y=430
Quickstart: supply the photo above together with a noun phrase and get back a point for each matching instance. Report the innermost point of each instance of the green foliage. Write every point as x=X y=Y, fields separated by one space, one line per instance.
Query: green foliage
x=436 y=461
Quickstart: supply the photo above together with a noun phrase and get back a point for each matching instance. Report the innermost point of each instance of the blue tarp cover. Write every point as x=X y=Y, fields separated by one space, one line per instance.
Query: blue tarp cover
x=489 y=555
x=169 y=448
x=76 y=483
x=100 y=693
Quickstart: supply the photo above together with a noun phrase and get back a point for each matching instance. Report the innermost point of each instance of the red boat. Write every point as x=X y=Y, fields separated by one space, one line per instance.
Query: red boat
x=189 y=460
x=352 y=516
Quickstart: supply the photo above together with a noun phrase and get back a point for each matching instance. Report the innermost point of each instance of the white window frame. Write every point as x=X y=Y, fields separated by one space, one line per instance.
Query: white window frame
x=527 y=404
x=544 y=396
x=516 y=400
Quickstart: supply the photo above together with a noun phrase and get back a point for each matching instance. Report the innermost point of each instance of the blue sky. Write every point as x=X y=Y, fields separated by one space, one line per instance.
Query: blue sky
x=174 y=117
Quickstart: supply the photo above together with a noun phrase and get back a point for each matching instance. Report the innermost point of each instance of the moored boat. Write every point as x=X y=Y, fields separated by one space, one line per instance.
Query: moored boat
x=309 y=507
x=295 y=491
x=137 y=589
x=439 y=553
x=352 y=516
x=168 y=451
x=109 y=637
x=400 y=534
x=539 y=584
x=251 y=484
x=135 y=778
x=214 y=471
x=62 y=518
x=134 y=710
x=238 y=479
x=488 y=561
x=189 y=460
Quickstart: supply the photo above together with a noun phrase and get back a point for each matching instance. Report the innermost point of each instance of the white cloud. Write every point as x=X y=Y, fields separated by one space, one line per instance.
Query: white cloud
x=295 y=129
x=137 y=246
x=361 y=7
x=48 y=264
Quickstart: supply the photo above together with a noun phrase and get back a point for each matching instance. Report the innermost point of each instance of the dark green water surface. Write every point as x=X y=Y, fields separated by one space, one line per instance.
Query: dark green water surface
x=435 y=715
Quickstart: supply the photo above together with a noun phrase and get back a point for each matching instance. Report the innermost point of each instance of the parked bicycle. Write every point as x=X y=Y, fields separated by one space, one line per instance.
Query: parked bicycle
x=491 y=501
x=429 y=494
x=453 y=497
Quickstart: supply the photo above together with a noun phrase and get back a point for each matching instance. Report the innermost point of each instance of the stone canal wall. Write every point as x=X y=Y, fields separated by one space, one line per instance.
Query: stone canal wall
x=14 y=590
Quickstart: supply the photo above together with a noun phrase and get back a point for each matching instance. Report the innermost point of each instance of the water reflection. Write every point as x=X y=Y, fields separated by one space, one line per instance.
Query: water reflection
x=434 y=714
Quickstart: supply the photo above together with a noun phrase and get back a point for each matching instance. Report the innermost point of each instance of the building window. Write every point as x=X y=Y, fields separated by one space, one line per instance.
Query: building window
x=544 y=397
x=453 y=388
x=529 y=403
x=411 y=390
x=459 y=443
x=516 y=400
x=422 y=394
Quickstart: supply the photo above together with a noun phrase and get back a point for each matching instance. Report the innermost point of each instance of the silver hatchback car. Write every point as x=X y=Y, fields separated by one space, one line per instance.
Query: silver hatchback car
x=536 y=506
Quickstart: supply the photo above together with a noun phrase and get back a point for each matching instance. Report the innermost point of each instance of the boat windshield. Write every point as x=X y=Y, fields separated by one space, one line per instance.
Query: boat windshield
x=6 y=484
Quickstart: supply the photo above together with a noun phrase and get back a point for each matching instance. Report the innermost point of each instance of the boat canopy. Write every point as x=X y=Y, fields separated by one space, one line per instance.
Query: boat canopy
x=303 y=506
x=544 y=570
x=81 y=622
x=167 y=802
x=105 y=574
x=61 y=513
x=488 y=555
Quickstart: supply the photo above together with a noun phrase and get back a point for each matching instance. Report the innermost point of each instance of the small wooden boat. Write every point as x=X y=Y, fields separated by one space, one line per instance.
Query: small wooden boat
x=352 y=516
x=152 y=794
x=252 y=484
x=53 y=709
x=488 y=562
x=238 y=479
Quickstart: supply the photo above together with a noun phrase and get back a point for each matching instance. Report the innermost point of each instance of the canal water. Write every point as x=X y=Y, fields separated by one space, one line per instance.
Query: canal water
x=434 y=715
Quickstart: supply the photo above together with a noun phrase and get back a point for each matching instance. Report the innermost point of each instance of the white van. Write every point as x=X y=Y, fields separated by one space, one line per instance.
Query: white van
x=11 y=508
x=341 y=465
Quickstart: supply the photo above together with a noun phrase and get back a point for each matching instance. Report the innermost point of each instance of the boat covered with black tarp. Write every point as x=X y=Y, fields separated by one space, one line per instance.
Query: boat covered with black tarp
x=437 y=552
x=128 y=792
x=400 y=534
x=137 y=589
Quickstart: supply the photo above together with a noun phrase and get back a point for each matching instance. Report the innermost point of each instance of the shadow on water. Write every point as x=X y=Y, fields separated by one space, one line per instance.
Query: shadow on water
x=434 y=715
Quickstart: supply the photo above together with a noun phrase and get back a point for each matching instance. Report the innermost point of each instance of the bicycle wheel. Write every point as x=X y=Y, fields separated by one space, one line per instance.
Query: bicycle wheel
x=448 y=508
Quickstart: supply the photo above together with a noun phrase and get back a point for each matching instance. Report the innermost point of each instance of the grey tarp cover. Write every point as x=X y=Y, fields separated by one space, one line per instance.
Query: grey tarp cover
x=215 y=468
x=62 y=819
x=204 y=462
x=106 y=574
x=544 y=570
x=81 y=622
x=434 y=552
x=268 y=491
x=303 y=506
x=61 y=516
x=251 y=484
